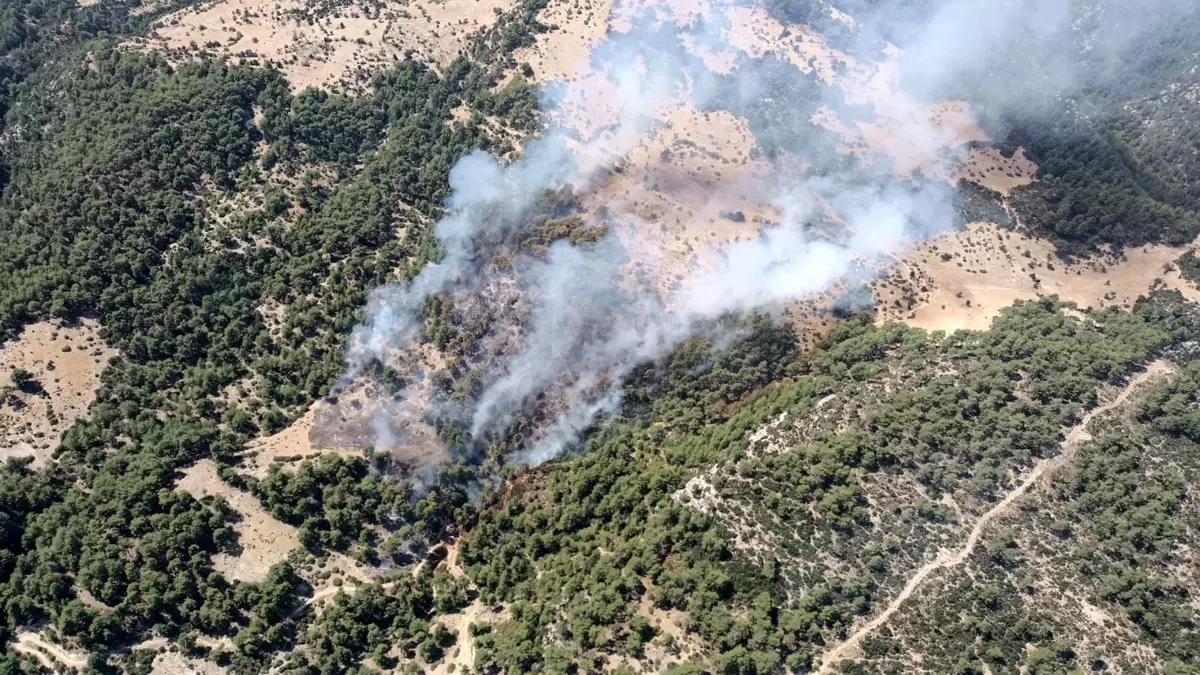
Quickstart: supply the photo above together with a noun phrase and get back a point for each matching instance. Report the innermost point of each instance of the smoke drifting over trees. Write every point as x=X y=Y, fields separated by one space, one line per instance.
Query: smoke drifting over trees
x=556 y=356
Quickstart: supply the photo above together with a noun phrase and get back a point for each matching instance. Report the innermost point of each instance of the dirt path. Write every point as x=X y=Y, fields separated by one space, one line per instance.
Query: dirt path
x=1076 y=436
x=49 y=654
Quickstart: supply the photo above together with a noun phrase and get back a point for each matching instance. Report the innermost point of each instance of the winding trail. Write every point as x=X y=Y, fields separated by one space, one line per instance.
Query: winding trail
x=1076 y=436
x=49 y=654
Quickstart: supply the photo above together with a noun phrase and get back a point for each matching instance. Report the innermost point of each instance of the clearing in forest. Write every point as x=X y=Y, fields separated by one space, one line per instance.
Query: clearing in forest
x=264 y=540
x=964 y=279
x=292 y=445
x=174 y=663
x=991 y=169
x=320 y=46
x=58 y=371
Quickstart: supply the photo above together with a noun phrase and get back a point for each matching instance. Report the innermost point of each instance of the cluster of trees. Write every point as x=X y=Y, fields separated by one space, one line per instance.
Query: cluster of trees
x=113 y=177
x=580 y=544
x=1116 y=165
x=1112 y=530
x=108 y=208
x=1189 y=266
x=1091 y=191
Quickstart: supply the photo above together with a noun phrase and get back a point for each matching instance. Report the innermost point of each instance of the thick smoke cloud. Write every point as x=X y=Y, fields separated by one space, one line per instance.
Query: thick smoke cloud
x=588 y=326
x=1023 y=60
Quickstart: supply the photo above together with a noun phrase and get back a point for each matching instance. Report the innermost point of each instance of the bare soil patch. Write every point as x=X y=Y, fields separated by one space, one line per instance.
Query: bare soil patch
x=674 y=644
x=293 y=445
x=461 y=657
x=264 y=540
x=338 y=48
x=66 y=362
x=174 y=663
x=991 y=169
x=689 y=185
x=685 y=191
x=575 y=27
x=963 y=280
x=51 y=656
x=356 y=418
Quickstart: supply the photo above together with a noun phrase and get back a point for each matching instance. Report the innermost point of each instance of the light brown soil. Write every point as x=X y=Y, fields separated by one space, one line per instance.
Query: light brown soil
x=964 y=279
x=687 y=189
x=265 y=540
x=70 y=378
x=461 y=657
x=50 y=655
x=291 y=446
x=174 y=663
x=678 y=180
x=562 y=52
x=992 y=170
x=668 y=622
x=1075 y=436
x=339 y=49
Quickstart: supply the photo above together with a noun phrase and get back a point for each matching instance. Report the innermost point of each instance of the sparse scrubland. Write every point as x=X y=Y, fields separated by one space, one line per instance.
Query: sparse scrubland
x=189 y=242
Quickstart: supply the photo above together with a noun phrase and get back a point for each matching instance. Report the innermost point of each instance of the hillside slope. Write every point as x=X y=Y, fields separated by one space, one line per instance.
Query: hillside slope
x=583 y=336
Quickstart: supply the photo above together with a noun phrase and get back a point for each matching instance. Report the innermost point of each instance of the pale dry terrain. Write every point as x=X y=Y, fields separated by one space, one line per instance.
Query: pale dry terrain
x=461 y=657
x=686 y=191
x=963 y=280
x=264 y=540
x=67 y=362
x=674 y=644
x=688 y=183
x=174 y=663
x=52 y=657
x=290 y=446
x=991 y=169
x=575 y=27
x=339 y=48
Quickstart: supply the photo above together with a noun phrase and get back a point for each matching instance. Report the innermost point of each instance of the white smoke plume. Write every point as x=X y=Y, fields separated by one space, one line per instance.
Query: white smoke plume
x=587 y=328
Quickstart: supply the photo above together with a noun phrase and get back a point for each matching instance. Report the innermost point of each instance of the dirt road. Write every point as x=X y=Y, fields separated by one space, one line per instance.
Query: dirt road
x=1075 y=437
x=49 y=654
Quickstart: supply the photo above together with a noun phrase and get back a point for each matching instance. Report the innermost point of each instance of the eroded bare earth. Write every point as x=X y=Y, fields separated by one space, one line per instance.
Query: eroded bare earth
x=51 y=656
x=174 y=663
